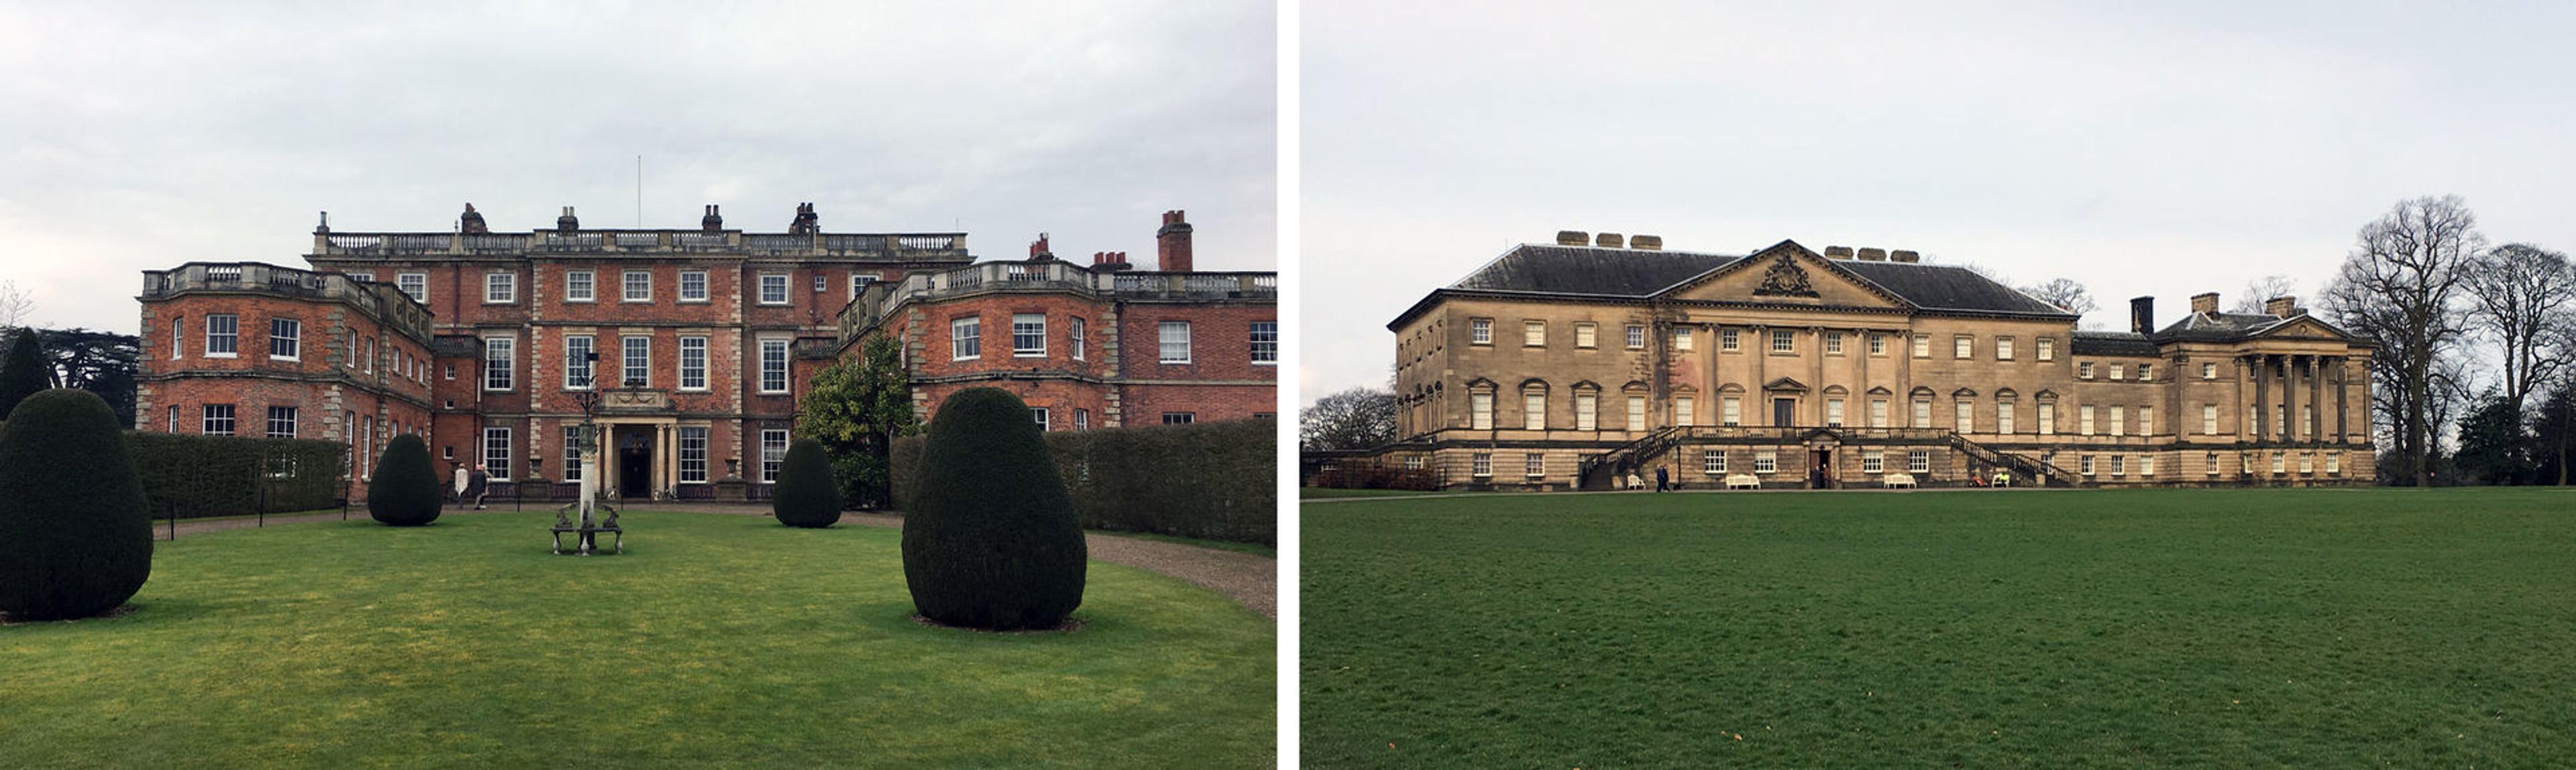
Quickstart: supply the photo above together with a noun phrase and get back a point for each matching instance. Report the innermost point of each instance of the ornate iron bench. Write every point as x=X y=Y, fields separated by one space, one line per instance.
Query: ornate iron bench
x=586 y=538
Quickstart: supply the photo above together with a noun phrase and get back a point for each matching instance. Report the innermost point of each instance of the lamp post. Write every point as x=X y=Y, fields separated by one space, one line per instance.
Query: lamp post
x=586 y=446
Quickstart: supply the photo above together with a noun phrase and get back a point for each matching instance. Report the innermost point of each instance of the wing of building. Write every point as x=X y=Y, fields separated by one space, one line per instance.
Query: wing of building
x=693 y=345
x=1588 y=362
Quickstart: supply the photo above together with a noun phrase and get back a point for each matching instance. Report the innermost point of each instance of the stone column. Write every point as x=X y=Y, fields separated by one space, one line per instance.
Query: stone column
x=2343 y=400
x=2263 y=398
x=2290 y=365
x=2316 y=398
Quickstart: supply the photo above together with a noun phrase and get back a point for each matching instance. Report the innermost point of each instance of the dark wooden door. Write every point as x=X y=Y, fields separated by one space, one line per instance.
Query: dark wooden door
x=635 y=464
x=1784 y=411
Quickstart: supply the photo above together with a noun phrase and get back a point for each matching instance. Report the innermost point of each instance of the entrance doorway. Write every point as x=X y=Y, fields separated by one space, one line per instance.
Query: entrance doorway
x=635 y=462
x=1820 y=468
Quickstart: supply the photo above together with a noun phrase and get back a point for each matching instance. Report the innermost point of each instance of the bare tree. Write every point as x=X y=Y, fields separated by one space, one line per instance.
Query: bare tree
x=1358 y=418
x=2520 y=295
x=2401 y=287
x=16 y=308
x=2261 y=290
x=2065 y=293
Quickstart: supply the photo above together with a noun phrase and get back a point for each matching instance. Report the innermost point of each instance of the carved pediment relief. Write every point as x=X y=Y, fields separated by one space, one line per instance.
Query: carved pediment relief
x=1784 y=278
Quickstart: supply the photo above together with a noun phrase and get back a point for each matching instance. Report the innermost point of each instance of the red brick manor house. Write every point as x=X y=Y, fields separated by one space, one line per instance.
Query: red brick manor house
x=704 y=340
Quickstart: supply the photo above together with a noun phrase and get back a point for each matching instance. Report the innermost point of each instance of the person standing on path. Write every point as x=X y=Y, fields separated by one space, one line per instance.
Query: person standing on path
x=477 y=485
x=460 y=485
x=1662 y=481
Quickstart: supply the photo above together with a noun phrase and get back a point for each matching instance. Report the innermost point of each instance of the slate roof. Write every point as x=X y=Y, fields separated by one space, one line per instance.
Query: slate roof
x=2219 y=326
x=1588 y=270
x=2090 y=343
x=1632 y=273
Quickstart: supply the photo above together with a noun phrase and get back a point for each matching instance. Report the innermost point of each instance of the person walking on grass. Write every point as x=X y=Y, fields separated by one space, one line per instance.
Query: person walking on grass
x=460 y=485
x=1662 y=481
x=477 y=485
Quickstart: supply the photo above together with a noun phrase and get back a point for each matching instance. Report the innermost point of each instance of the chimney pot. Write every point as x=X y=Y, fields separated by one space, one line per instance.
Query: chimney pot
x=567 y=222
x=1172 y=243
x=1606 y=240
x=1038 y=248
x=1572 y=237
x=2142 y=315
x=1646 y=242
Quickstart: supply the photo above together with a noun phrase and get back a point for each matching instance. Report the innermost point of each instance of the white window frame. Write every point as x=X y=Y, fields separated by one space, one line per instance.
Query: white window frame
x=1878 y=413
x=1918 y=461
x=580 y=373
x=581 y=286
x=1077 y=333
x=1265 y=343
x=1534 y=465
x=1729 y=340
x=1685 y=410
x=693 y=363
x=1922 y=346
x=2209 y=370
x=1833 y=343
x=1587 y=411
x=1165 y=340
x=2084 y=420
x=705 y=286
x=1784 y=341
x=1081 y=418
x=414 y=285
x=178 y=337
x=1586 y=334
x=1481 y=465
x=773 y=453
x=572 y=459
x=2003 y=348
x=500 y=363
x=501 y=288
x=2004 y=416
x=273 y=422
x=692 y=469
x=215 y=421
x=1480 y=411
x=1480 y=331
x=1044 y=417
x=2209 y=419
x=1730 y=410
x=2044 y=349
x=224 y=327
x=1963 y=346
x=1873 y=461
x=773 y=285
x=1533 y=334
x=633 y=359
x=1963 y=416
x=1834 y=412
x=628 y=286
x=1636 y=414
x=293 y=337
x=1533 y=410
x=1712 y=462
x=496 y=463
x=1766 y=461
x=774 y=365
x=1028 y=335
x=2119 y=420
x=1636 y=336
x=966 y=338
x=1685 y=340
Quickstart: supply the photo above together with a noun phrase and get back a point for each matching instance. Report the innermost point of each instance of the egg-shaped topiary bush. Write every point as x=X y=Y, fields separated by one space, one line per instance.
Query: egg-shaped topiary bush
x=991 y=541
x=807 y=496
x=404 y=491
x=75 y=534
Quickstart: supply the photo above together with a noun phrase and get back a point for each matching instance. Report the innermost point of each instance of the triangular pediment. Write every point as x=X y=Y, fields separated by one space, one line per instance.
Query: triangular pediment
x=1786 y=273
x=2304 y=328
x=1785 y=384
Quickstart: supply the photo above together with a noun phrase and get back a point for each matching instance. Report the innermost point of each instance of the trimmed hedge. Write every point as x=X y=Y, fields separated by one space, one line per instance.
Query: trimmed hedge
x=22 y=372
x=197 y=476
x=405 y=491
x=806 y=495
x=75 y=539
x=994 y=543
x=1212 y=481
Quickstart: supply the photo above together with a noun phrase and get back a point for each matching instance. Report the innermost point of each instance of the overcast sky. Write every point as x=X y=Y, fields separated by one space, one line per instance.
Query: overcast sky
x=140 y=136
x=2165 y=152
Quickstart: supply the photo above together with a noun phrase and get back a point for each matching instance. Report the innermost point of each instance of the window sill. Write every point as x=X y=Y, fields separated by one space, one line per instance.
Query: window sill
x=634 y=301
x=1039 y=354
x=580 y=300
x=767 y=303
x=967 y=358
x=1173 y=363
x=223 y=355
x=501 y=302
x=1265 y=363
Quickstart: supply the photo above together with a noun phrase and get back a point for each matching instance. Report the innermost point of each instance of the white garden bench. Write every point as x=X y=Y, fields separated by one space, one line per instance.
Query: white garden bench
x=1894 y=480
x=1743 y=481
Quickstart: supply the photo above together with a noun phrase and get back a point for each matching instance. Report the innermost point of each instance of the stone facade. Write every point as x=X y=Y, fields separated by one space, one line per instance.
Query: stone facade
x=1573 y=365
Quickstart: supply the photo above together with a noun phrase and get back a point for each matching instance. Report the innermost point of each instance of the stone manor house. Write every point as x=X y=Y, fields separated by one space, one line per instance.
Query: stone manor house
x=1574 y=364
x=694 y=345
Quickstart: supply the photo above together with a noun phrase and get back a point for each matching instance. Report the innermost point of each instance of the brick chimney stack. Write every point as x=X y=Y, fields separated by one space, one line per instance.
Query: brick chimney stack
x=567 y=222
x=1038 y=248
x=1172 y=244
x=2142 y=315
x=2281 y=307
x=713 y=222
x=471 y=222
x=2205 y=303
x=1108 y=260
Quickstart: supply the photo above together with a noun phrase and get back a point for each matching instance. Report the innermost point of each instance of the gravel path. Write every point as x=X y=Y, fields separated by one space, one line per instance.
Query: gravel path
x=1251 y=579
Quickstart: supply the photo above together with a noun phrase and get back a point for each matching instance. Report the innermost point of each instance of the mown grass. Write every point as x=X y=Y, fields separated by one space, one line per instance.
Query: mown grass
x=715 y=641
x=1329 y=493
x=2230 y=628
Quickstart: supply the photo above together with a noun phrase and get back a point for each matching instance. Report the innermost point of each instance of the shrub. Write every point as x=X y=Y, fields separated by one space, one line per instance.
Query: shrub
x=991 y=541
x=75 y=538
x=404 y=492
x=190 y=476
x=1214 y=481
x=22 y=374
x=806 y=495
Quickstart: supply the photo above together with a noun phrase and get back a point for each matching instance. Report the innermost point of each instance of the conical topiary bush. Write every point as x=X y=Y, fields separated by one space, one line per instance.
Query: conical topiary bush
x=807 y=496
x=22 y=374
x=991 y=541
x=75 y=535
x=404 y=491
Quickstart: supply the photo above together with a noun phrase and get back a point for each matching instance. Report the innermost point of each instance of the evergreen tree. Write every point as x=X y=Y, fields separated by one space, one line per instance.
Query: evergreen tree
x=24 y=373
x=2493 y=448
x=856 y=409
x=806 y=495
x=404 y=491
x=992 y=541
x=75 y=535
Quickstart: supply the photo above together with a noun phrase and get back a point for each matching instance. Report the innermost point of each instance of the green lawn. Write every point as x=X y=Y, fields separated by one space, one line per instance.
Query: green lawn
x=2229 y=628
x=717 y=640
x=1328 y=493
